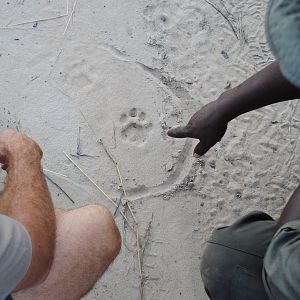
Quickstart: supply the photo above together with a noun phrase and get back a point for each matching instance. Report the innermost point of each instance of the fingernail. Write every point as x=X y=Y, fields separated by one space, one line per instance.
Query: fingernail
x=196 y=155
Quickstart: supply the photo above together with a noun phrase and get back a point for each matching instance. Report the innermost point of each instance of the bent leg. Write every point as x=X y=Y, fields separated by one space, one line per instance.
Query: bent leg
x=87 y=241
x=232 y=262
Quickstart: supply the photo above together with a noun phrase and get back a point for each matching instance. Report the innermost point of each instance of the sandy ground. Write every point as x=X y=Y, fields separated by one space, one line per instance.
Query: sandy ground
x=124 y=72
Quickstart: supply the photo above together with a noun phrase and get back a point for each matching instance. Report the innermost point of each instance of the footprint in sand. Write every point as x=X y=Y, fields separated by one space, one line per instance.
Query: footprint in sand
x=135 y=128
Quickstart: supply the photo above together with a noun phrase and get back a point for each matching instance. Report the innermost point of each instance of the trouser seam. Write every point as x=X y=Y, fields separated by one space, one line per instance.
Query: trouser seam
x=258 y=256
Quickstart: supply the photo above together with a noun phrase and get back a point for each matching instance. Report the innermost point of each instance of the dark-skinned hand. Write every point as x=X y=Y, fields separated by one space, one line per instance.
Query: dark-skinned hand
x=207 y=125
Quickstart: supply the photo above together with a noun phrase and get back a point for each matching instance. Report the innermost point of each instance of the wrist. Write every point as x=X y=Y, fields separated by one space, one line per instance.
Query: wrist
x=20 y=163
x=226 y=105
x=23 y=173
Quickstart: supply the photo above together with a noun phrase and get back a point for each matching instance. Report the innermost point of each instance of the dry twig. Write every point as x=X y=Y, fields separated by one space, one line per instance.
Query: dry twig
x=139 y=261
x=78 y=150
x=141 y=253
x=132 y=214
x=119 y=203
x=60 y=188
x=46 y=170
x=100 y=141
x=127 y=204
x=225 y=16
x=38 y=20
x=96 y=185
x=66 y=28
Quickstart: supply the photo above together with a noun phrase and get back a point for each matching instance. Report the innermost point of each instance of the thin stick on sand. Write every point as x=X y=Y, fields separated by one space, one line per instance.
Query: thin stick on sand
x=95 y=184
x=136 y=223
x=66 y=28
x=71 y=16
x=78 y=150
x=68 y=3
x=146 y=240
x=141 y=252
x=225 y=16
x=34 y=21
x=90 y=179
x=46 y=170
x=120 y=177
x=138 y=249
x=13 y=28
x=125 y=194
x=120 y=201
x=39 y=20
x=60 y=188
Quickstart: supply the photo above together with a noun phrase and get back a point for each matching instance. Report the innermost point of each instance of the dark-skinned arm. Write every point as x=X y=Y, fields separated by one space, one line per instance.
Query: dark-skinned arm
x=209 y=124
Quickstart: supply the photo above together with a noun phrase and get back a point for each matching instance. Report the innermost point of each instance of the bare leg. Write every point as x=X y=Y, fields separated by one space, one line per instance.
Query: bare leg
x=87 y=242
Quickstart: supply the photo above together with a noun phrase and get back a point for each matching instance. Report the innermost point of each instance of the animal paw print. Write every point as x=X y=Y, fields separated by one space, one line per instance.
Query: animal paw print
x=135 y=129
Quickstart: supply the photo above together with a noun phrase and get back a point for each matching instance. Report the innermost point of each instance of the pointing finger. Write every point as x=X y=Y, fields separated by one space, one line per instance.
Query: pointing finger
x=178 y=132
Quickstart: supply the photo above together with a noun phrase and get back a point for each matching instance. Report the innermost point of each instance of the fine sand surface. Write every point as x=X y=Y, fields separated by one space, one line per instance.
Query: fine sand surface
x=124 y=72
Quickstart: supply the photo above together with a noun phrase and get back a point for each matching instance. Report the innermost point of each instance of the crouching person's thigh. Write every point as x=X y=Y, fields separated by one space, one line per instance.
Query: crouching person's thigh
x=87 y=242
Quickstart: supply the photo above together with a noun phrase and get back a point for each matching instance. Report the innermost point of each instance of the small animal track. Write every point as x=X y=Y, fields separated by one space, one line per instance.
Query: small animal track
x=80 y=74
x=8 y=120
x=134 y=126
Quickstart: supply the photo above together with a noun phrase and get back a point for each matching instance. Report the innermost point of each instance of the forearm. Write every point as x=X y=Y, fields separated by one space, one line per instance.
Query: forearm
x=264 y=88
x=26 y=198
x=291 y=211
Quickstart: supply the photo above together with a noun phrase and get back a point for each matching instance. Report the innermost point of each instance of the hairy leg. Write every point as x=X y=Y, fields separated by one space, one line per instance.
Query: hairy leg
x=87 y=241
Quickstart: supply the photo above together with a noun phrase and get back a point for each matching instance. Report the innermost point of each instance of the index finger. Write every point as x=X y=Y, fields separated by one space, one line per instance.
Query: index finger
x=178 y=132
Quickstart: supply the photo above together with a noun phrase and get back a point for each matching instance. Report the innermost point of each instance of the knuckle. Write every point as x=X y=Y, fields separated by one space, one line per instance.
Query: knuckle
x=191 y=126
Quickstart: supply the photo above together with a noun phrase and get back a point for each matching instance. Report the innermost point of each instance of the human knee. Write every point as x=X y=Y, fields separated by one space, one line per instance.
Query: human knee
x=105 y=225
